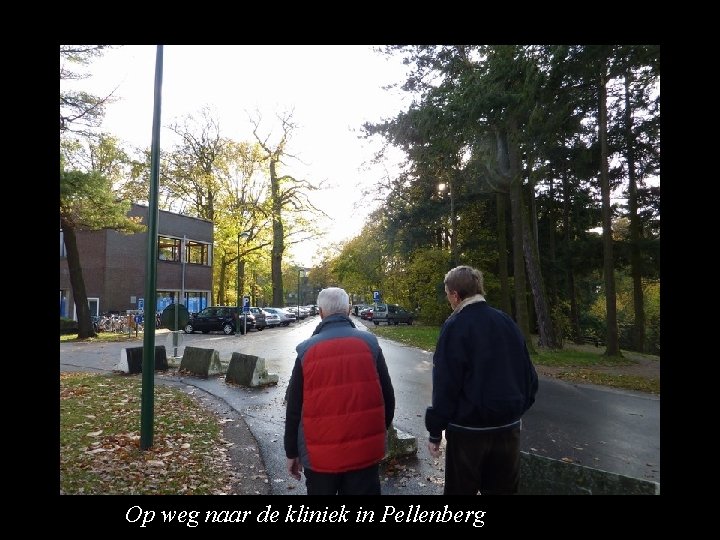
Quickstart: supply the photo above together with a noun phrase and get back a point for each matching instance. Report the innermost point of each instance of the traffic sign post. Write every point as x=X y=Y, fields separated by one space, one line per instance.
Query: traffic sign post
x=246 y=310
x=376 y=297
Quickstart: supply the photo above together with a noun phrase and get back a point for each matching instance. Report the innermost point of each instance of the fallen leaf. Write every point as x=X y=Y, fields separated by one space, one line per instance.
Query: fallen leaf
x=94 y=433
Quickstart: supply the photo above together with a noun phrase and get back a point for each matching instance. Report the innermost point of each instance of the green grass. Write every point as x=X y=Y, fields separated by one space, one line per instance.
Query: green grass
x=100 y=440
x=574 y=358
x=103 y=337
x=628 y=382
x=422 y=337
x=582 y=366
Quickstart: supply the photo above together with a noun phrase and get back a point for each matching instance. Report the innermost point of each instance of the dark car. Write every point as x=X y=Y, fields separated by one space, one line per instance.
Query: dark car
x=392 y=314
x=217 y=319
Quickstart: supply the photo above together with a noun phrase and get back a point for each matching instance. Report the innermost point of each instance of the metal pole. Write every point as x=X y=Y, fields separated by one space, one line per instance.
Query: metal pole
x=237 y=287
x=298 y=298
x=147 y=398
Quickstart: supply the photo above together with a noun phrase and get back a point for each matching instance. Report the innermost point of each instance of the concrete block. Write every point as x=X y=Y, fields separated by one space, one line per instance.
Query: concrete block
x=131 y=359
x=249 y=370
x=400 y=444
x=541 y=475
x=201 y=362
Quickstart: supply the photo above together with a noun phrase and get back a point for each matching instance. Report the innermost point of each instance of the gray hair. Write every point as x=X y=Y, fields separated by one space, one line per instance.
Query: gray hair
x=333 y=300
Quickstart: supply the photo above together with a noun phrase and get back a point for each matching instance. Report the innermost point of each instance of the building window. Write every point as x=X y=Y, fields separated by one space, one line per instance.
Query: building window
x=195 y=301
x=169 y=249
x=63 y=251
x=63 y=303
x=198 y=253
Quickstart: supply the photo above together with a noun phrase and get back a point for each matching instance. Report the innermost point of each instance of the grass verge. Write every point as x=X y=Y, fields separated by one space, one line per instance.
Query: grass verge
x=104 y=336
x=100 y=440
x=579 y=365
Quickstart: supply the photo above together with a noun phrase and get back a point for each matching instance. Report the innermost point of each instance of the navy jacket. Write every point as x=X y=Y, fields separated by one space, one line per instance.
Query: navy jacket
x=483 y=378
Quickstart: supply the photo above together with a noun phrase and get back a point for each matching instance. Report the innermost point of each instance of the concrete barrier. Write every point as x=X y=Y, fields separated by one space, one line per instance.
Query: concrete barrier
x=249 y=370
x=201 y=362
x=131 y=359
x=541 y=475
x=400 y=444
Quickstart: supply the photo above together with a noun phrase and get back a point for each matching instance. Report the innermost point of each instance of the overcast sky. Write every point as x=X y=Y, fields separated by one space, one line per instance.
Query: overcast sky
x=333 y=90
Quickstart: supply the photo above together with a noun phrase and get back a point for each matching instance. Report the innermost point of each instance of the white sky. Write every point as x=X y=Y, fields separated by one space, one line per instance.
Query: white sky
x=333 y=90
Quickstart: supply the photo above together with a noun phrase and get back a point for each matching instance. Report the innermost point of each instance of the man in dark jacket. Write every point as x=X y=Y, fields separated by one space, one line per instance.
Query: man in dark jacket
x=483 y=382
x=340 y=402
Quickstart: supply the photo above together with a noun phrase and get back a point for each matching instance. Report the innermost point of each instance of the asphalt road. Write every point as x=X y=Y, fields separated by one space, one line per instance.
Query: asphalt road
x=617 y=431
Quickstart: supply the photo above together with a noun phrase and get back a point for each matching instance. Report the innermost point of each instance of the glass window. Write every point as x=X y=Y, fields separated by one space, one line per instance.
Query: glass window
x=63 y=251
x=169 y=249
x=197 y=253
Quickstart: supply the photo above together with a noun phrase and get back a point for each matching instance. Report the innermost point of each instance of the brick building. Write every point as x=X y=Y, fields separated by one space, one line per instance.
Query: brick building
x=114 y=265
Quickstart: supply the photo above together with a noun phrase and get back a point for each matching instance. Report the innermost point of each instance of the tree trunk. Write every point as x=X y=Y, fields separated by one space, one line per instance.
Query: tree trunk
x=222 y=289
x=516 y=217
x=521 y=309
x=613 y=348
x=278 y=246
x=505 y=303
x=550 y=253
x=530 y=251
x=638 y=336
x=453 y=225
x=570 y=272
x=77 y=282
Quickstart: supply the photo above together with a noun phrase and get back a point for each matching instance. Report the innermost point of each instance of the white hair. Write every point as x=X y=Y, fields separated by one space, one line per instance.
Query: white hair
x=333 y=300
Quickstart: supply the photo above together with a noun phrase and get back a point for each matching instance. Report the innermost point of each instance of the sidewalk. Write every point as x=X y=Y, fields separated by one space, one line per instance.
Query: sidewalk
x=259 y=474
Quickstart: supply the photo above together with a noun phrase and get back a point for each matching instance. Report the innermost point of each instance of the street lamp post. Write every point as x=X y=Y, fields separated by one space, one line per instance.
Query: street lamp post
x=237 y=281
x=300 y=272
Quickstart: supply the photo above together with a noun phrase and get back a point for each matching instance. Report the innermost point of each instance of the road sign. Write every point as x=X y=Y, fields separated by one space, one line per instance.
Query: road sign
x=246 y=304
x=141 y=304
x=376 y=296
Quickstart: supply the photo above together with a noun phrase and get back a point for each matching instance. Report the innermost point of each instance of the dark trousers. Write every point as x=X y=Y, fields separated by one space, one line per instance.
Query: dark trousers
x=360 y=482
x=485 y=463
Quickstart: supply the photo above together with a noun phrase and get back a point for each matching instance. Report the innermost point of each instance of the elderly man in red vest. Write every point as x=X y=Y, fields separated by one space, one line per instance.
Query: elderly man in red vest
x=340 y=403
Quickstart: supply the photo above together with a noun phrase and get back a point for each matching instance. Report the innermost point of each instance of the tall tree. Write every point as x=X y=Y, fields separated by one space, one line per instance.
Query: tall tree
x=640 y=129
x=87 y=202
x=80 y=111
x=86 y=195
x=287 y=195
x=613 y=346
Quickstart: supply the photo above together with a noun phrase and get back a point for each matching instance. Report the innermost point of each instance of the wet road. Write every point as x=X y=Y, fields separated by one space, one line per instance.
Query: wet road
x=613 y=430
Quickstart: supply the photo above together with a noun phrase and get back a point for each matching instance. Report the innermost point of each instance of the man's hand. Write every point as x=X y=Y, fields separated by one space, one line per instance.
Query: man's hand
x=434 y=449
x=294 y=467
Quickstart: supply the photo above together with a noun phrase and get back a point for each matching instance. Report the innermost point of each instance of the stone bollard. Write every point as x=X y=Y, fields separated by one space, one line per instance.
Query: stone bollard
x=249 y=370
x=400 y=444
x=201 y=362
x=131 y=359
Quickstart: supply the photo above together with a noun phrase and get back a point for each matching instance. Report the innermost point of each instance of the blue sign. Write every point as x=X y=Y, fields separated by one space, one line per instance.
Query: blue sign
x=376 y=296
x=246 y=304
x=141 y=304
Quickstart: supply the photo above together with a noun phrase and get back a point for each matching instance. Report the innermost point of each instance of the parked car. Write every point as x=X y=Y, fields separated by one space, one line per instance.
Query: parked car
x=271 y=319
x=392 y=314
x=260 y=321
x=367 y=313
x=217 y=319
x=285 y=317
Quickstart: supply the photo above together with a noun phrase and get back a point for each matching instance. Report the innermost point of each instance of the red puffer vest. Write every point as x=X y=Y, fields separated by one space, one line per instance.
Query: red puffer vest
x=343 y=418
